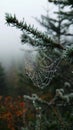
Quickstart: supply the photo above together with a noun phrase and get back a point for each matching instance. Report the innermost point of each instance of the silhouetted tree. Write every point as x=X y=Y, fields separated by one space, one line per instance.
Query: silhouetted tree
x=3 y=85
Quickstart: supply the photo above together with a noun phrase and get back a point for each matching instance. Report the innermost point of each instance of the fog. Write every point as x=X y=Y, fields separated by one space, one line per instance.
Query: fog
x=10 y=44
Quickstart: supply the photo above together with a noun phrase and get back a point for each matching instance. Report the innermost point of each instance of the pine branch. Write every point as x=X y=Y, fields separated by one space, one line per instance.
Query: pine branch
x=34 y=42
x=37 y=38
x=68 y=34
x=59 y=94
x=65 y=2
x=12 y=20
x=25 y=38
x=69 y=54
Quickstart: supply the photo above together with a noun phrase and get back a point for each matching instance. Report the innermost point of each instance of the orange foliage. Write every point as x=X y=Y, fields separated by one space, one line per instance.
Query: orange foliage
x=11 y=111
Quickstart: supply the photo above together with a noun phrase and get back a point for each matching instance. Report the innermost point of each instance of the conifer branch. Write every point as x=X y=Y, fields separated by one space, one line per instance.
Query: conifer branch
x=65 y=2
x=35 y=37
x=12 y=20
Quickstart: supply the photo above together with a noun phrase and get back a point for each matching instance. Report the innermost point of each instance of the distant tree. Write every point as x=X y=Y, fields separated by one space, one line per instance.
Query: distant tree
x=3 y=85
x=12 y=79
x=59 y=27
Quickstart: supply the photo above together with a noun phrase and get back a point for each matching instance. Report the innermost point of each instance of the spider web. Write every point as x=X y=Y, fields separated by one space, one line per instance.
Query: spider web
x=42 y=73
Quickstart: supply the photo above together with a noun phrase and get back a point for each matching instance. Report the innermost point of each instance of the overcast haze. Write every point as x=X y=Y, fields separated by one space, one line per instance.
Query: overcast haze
x=10 y=44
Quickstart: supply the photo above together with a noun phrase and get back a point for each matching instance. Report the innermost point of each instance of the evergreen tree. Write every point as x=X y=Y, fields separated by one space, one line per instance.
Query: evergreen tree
x=59 y=29
x=12 y=79
x=57 y=108
x=3 y=86
x=59 y=26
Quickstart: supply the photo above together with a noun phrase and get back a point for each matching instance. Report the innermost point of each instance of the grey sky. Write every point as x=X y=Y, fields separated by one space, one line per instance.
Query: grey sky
x=10 y=37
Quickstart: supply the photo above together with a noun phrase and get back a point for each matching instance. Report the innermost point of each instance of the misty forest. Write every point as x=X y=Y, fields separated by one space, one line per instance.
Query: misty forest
x=37 y=94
